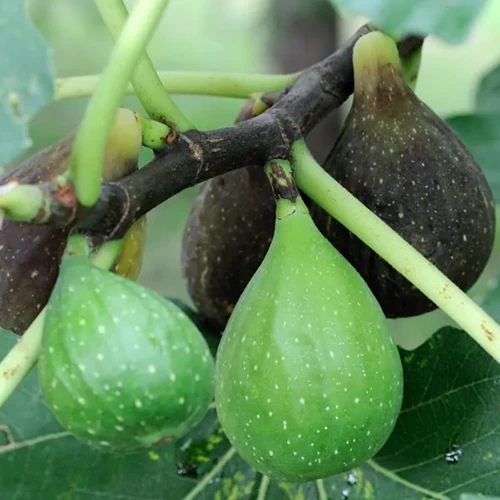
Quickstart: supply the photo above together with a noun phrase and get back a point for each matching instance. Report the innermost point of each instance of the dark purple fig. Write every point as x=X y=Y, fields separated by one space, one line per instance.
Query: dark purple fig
x=227 y=236
x=225 y=240
x=404 y=163
x=30 y=254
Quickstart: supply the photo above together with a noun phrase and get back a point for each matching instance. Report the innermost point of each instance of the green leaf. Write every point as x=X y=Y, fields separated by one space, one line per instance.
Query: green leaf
x=488 y=94
x=451 y=406
x=452 y=397
x=450 y=21
x=26 y=82
x=481 y=134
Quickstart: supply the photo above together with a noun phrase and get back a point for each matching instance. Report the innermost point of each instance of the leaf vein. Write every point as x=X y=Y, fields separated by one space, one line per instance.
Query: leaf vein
x=17 y=445
x=451 y=391
x=472 y=480
x=411 y=486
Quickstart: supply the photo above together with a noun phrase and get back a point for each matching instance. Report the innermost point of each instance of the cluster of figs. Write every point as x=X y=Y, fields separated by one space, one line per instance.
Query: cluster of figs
x=307 y=379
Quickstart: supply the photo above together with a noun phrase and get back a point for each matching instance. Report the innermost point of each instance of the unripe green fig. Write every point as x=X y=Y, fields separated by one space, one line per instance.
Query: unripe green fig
x=227 y=235
x=30 y=254
x=120 y=365
x=308 y=379
x=408 y=166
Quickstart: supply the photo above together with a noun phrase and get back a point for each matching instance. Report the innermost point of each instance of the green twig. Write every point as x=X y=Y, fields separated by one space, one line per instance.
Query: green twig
x=21 y=202
x=264 y=486
x=148 y=87
x=107 y=254
x=154 y=134
x=236 y=85
x=90 y=142
x=356 y=217
x=322 y=494
x=23 y=356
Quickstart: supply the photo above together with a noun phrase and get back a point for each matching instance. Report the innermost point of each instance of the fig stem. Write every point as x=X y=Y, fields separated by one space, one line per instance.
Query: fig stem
x=375 y=233
x=77 y=244
x=107 y=254
x=21 y=202
x=286 y=194
x=154 y=133
x=90 y=141
x=320 y=486
x=23 y=356
x=263 y=487
x=148 y=86
x=279 y=173
x=206 y=83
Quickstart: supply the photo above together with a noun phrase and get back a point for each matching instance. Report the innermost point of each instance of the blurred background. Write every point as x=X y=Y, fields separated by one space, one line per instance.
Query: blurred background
x=236 y=35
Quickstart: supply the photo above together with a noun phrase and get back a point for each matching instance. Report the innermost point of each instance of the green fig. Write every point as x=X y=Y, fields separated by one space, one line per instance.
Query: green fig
x=227 y=235
x=406 y=165
x=30 y=254
x=308 y=379
x=121 y=366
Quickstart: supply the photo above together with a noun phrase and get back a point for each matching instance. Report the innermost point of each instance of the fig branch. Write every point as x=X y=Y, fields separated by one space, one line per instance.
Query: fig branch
x=195 y=156
x=148 y=87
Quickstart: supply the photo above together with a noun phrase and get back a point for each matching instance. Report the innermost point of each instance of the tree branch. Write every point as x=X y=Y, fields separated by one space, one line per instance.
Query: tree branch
x=193 y=157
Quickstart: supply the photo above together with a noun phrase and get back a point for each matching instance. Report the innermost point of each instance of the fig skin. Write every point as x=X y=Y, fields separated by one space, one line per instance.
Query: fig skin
x=30 y=254
x=408 y=166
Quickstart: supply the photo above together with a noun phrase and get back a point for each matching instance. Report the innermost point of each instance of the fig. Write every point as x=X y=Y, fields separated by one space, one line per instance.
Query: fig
x=406 y=165
x=308 y=379
x=121 y=366
x=226 y=237
x=30 y=254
